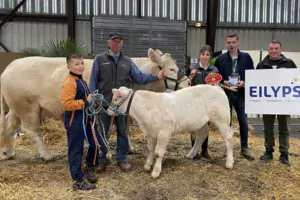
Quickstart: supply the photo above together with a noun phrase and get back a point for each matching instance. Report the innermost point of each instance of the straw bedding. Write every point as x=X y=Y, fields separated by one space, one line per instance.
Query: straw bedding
x=28 y=177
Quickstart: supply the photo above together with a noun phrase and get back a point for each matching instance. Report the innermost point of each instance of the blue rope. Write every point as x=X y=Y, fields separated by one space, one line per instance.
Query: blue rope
x=85 y=135
x=91 y=111
x=98 y=98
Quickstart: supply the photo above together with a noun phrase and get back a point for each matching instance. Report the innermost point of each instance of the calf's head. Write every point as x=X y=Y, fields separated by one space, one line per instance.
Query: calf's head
x=119 y=101
x=175 y=78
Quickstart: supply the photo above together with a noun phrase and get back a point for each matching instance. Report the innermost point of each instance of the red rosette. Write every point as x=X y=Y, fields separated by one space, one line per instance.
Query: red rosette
x=213 y=78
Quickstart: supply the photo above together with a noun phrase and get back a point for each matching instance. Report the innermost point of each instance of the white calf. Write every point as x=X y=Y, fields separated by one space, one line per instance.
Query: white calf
x=159 y=115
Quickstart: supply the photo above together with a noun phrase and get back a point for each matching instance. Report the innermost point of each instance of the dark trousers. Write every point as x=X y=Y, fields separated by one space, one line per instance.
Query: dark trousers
x=238 y=102
x=122 y=139
x=76 y=138
x=204 y=144
x=283 y=126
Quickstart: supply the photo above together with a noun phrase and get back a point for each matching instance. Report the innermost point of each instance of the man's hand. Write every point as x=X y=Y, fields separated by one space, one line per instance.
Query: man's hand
x=241 y=84
x=226 y=83
x=161 y=74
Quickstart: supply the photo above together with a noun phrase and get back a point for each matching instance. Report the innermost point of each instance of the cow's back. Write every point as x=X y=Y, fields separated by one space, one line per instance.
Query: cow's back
x=36 y=81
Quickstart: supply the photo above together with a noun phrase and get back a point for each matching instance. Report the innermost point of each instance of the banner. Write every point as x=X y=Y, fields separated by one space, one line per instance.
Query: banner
x=272 y=91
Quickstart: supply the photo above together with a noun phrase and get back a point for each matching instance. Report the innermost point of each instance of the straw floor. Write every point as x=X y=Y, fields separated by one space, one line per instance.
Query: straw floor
x=28 y=177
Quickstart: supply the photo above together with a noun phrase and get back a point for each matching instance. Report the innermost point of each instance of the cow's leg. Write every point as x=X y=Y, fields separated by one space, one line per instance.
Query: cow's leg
x=201 y=134
x=31 y=125
x=163 y=139
x=151 y=143
x=227 y=136
x=13 y=122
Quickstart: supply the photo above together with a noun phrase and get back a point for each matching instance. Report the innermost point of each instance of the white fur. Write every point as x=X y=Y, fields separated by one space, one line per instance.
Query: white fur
x=31 y=88
x=162 y=114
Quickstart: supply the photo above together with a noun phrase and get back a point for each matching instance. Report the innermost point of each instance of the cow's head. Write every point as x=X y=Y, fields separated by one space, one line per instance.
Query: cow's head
x=175 y=78
x=120 y=100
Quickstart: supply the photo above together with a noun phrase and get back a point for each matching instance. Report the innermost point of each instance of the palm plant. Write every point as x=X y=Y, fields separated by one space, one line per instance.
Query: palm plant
x=58 y=48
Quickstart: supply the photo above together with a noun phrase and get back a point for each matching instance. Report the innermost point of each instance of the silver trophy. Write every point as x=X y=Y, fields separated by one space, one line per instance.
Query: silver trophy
x=233 y=80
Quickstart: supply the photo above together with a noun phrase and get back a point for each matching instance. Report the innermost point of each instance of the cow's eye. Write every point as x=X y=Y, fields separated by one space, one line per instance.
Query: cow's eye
x=172 y=70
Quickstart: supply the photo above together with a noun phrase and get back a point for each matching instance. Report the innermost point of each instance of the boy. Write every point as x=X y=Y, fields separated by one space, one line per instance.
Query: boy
x=75 y=97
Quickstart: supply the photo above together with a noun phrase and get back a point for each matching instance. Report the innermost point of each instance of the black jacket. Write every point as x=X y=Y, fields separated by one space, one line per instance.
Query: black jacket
x=199 y=78
x=284 y=62
x=224 y=65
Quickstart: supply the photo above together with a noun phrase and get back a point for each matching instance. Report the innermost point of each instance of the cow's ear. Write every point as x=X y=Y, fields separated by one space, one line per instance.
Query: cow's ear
x=158 y=52
x=154 y=57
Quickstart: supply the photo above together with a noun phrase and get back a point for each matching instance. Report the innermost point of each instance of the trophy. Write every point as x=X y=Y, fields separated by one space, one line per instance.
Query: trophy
x=233 y=80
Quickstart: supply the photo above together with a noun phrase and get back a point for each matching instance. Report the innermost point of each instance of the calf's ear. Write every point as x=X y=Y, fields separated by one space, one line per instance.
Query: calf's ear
x=114 y=90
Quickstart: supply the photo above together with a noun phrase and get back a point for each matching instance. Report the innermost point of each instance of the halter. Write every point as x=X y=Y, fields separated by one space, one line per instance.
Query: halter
x=117 y=106
x=180 y=78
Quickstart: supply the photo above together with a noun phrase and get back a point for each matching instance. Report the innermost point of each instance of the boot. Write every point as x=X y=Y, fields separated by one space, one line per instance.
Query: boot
x=90 y=174
x=206 y=155
x=83 y=185
x=246 y=154
x=268 y=155
x=284 y=159
x=197 y=156
x=124 y=166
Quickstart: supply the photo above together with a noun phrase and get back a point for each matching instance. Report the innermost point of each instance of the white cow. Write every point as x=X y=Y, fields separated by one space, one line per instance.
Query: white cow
x=31 y=88
x=162 y=114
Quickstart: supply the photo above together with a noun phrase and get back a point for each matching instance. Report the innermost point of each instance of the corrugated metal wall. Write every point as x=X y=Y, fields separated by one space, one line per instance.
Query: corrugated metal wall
x=140 y=34
x=18 y=35
x=250 y=39
x=84 y=33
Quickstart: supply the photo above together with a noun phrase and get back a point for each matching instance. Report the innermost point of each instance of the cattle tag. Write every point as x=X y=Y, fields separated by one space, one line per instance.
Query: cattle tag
x=213 y=78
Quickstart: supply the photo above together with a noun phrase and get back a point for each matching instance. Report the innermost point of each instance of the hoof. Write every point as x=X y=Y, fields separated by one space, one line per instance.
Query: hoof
x=229 y=165
x=47 y=157
x=8 y=155
x=191 y=155
x=155 y=175
x=147 y=168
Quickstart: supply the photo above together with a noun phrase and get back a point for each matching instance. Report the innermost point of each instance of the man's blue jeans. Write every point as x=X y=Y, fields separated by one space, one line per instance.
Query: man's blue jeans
x=238 y=102
x=122 y=139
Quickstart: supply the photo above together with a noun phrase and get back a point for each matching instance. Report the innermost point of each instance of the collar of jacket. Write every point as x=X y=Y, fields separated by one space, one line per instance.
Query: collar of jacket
x=109 y=54
x=229 y=56
x=267 y=59
x=202 y=69
x=75 y=75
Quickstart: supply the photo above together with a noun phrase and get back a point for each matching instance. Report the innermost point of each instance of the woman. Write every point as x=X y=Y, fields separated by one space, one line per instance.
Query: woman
x=198 y=73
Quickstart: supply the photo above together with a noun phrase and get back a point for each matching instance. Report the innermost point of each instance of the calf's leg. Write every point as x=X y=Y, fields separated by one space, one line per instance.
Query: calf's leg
x=31 y=125
x=201 y=135
x=163 y=139
x=227 y=134
x=151 y=143
x=13 y=122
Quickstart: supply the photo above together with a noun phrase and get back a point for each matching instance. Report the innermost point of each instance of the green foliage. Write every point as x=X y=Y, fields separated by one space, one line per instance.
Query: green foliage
x=58 y=48
x=212 y=61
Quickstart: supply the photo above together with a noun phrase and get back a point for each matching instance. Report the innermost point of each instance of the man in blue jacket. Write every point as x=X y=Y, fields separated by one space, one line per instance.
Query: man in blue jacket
x=112 y=69
x=237 y=62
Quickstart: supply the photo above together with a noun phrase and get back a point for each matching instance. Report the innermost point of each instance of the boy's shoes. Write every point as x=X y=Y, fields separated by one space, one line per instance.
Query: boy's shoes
x=284 y=159
x=124 y=166
x=83 y=185
x=267 y=156
x=90 y=174
x=245 y=153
